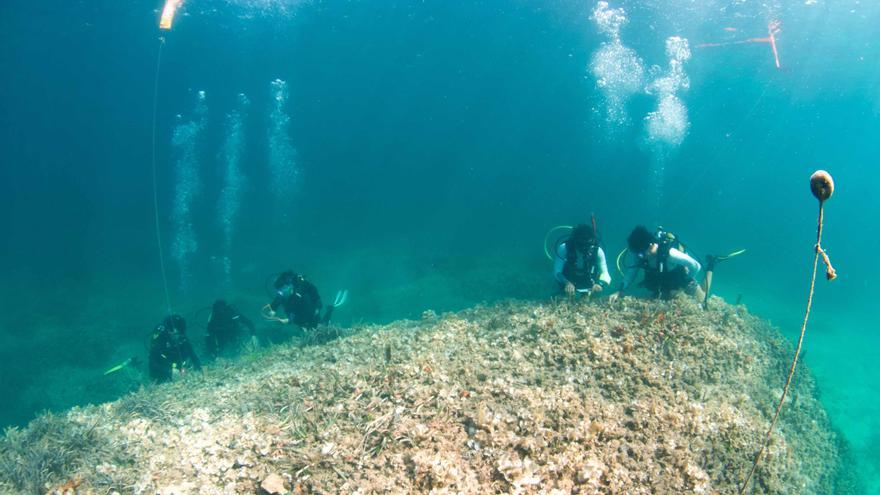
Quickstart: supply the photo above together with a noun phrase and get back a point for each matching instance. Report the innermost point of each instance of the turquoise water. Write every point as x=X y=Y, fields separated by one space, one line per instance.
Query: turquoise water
x=416 y=153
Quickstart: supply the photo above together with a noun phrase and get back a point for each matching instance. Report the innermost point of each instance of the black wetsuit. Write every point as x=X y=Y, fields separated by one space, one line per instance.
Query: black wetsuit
x=303 y=305
x=583 y=268
x=663 y=283
x=167 y=350
x=224 y=327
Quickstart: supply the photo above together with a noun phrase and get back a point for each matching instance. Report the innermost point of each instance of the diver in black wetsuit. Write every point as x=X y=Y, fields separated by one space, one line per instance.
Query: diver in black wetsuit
x=300 y=301
x=580 y=265
x=225 y=327
x=667 y=266
x=170 y=350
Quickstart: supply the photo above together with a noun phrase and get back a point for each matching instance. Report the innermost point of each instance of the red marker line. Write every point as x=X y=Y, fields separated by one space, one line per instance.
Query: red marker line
x=773 y=45
x=772 y=29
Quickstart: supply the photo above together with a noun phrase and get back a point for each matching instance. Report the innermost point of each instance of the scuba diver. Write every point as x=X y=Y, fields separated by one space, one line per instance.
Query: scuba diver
x=224 y=327
x=170 y=350
x=580 y=265
x=668 y=268
x=300 y=300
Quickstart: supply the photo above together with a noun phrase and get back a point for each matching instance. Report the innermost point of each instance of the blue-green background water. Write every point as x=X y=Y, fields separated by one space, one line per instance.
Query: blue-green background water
x=435 y=143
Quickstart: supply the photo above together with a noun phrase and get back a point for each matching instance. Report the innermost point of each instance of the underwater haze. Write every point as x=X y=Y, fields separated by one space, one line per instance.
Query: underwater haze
x=416 y=153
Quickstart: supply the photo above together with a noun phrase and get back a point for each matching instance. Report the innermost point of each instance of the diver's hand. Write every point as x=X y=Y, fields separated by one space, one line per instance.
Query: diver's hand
x=596 y=288
x=569 y=289
x=614 y=297
x=267 y=311
x=284 y=321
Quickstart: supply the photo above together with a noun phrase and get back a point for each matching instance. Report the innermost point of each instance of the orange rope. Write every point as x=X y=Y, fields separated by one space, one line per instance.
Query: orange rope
x=830 y=274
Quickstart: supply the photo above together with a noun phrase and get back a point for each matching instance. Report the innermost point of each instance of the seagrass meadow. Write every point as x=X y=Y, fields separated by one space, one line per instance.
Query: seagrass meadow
x=637 y=398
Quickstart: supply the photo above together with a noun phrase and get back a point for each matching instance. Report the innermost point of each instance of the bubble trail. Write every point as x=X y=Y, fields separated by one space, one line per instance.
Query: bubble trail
x=185 y=140
x=667 y=126
x=617 y=69
x=233 y=180
x=282 y=155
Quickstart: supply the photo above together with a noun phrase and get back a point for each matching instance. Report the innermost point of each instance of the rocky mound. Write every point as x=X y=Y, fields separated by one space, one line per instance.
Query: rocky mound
x=642 y=398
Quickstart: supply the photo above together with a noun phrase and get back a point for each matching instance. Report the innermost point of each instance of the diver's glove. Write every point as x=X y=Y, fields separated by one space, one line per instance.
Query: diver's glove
x=341 y=298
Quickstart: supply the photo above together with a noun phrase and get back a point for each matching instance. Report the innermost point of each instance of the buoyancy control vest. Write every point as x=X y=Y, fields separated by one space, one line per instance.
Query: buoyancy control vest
x=580 y=265
x=659 y=278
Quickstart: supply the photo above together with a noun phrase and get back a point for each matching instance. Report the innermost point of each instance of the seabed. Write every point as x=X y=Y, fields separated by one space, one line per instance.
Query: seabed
x=646 y=397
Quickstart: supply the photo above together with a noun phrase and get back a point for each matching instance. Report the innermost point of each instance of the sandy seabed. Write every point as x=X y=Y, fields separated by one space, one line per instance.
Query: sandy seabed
x=645 y=397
